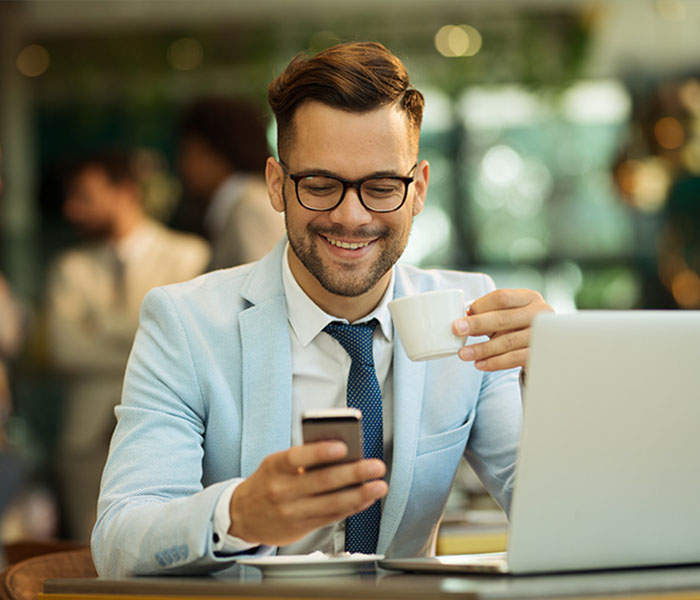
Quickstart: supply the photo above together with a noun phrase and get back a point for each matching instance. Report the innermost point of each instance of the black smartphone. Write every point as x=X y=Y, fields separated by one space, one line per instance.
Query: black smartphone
x=344 y=424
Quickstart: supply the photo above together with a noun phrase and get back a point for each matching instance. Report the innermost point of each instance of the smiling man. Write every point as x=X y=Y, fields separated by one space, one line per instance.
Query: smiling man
x=207 y=462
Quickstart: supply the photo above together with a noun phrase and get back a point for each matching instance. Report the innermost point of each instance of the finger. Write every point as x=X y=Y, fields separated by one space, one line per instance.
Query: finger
x=491 y=323
x=328 y=479
x=340 y=504
x=502 y=299
x=497 y=345
x=308 y=455
x=504 y=361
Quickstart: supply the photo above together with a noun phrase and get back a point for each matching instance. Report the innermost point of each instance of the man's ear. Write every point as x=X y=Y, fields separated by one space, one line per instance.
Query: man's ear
x=420 y=186
x=274 y=176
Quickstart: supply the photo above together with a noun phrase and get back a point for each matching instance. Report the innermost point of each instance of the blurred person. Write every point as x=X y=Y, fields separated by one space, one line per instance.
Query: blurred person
x=222 y=154
x=12 y=468
x=12 y=329
x=93 y=297
x=207 y=462
x=11 y=333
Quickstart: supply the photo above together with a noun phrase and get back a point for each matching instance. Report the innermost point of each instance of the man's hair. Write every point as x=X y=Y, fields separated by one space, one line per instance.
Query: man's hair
x=232 y=128
x=356 y=77
x=117 y=165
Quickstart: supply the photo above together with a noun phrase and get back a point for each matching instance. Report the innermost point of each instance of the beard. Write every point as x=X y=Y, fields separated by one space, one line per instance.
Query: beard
x=347 y=279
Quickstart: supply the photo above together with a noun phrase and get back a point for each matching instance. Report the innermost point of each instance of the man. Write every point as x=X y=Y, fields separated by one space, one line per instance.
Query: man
x=207 y=462
x=93 y=299
x=223 y=148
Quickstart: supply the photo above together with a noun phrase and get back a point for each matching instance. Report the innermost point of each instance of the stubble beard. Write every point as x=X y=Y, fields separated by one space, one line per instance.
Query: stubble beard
x=347 y=280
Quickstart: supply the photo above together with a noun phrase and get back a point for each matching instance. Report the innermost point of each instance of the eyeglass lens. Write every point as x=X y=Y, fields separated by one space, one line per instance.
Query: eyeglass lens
x=381 y=194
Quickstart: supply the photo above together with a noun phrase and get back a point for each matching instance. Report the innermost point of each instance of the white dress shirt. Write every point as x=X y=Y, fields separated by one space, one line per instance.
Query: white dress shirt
x=320 y=370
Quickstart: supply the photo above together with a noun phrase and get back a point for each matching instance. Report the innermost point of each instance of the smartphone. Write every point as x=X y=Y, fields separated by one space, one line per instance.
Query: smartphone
x=344 y=424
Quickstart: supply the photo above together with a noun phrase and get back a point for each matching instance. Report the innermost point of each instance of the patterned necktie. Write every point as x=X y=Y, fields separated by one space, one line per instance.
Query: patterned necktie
x=362 y=529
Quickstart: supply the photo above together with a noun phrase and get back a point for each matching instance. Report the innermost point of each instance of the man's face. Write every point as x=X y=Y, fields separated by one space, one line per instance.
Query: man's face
x=351 y=146
x=91 y=202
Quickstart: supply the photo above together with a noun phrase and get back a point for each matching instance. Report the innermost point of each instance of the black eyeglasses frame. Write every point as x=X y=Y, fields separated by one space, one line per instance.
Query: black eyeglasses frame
x=347 y=183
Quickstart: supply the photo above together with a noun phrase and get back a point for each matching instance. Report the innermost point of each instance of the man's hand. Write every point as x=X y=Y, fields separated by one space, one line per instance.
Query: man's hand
x=283 y=501
x=505 y=316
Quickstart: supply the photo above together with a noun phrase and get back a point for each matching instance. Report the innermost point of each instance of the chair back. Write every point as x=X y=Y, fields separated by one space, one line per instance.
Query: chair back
x=25 y=580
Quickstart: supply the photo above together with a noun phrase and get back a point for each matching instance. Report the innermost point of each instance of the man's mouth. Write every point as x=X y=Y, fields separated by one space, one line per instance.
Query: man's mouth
x=347 y=245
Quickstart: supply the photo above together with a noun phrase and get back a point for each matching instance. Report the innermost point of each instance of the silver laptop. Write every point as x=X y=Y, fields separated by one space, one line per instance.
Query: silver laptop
x=608 y=472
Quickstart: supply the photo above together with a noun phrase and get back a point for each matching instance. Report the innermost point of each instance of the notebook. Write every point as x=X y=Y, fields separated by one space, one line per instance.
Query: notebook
x=608 y=472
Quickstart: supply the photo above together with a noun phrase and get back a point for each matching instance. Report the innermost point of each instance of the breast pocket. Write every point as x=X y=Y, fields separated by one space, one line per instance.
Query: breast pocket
x=444 y=439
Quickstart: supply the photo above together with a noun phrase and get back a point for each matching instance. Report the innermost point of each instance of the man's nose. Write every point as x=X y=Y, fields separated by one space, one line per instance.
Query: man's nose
x=351 y=212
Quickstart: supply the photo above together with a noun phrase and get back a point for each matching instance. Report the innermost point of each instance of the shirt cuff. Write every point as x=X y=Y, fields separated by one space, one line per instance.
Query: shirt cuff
x=223 y=542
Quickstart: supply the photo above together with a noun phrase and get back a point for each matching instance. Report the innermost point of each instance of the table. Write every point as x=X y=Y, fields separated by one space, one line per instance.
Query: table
x=677 y=583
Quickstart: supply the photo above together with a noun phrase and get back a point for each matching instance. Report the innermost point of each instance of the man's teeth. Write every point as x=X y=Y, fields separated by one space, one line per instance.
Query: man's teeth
x=347 y=245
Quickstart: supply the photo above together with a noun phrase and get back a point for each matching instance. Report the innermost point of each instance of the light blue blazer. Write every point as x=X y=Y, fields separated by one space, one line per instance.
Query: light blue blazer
x=207 y=396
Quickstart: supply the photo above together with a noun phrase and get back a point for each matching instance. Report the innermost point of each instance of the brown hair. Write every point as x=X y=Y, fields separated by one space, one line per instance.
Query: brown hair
x=116 y=164
x=355 y=76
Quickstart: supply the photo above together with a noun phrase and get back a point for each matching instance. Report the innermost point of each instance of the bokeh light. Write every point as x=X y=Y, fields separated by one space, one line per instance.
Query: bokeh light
x=33 y=60
x=689 y=95
x=669 y=133
x=458 y=40
x=645 y=183
x=501 y=166
x=685 y=288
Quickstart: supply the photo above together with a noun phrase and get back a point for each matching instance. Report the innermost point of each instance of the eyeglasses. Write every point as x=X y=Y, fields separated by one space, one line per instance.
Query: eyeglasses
x=377 y=193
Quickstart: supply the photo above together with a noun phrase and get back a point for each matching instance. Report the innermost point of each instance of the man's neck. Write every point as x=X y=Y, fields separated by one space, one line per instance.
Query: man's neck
x=351 y=308
x=126 y=224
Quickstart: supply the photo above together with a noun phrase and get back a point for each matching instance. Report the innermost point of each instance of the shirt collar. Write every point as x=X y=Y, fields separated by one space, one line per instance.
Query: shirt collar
x=308 y=320
x=136 y=242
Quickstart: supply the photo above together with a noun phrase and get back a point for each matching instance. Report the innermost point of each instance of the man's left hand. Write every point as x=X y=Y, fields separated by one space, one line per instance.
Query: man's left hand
x=505 y=317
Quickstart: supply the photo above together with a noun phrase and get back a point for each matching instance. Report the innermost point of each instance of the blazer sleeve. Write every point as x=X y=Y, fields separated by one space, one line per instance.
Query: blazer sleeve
x=495 y=436
x=154 y=516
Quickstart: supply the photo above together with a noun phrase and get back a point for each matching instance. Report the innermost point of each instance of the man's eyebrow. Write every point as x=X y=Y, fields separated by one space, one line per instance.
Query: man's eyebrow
x=385 y=173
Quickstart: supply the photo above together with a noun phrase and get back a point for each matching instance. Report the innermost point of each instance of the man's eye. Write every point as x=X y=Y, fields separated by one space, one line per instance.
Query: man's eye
x=381 y=189
x=319 y=186
x=319 y=189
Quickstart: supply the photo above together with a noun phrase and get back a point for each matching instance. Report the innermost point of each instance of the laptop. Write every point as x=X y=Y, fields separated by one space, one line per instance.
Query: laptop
x=608 y=472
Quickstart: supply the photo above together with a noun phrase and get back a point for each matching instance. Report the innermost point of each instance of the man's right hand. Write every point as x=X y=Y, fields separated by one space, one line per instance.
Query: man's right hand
x=283 y=500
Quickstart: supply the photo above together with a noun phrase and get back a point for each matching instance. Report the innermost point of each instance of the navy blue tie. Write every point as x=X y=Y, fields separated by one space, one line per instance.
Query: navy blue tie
x=364 y=393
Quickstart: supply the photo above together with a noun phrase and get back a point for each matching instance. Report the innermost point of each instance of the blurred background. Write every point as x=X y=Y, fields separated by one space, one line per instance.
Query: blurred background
x=564 y=139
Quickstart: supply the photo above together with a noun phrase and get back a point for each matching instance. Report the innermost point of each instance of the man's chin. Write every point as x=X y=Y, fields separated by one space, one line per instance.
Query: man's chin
x=348 y=283
x=345 y=291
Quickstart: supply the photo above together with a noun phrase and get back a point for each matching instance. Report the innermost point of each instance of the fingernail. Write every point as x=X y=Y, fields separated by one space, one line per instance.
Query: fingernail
x=466 y=353
x=480 y=364
x=378 y=488
x=374 y=469
x=337 y=450
x=461 y=327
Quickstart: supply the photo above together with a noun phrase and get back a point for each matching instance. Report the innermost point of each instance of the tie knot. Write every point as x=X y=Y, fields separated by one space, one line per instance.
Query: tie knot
x=356 y=339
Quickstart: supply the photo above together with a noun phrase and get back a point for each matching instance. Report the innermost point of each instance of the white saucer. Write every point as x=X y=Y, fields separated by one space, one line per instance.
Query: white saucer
x=306 y=565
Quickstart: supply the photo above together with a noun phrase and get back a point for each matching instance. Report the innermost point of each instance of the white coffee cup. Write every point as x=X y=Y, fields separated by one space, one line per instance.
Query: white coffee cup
x=424 y=323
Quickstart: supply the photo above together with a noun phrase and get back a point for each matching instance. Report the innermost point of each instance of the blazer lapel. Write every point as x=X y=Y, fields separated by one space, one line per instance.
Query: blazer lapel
x=266 y=369
x=408 y=380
